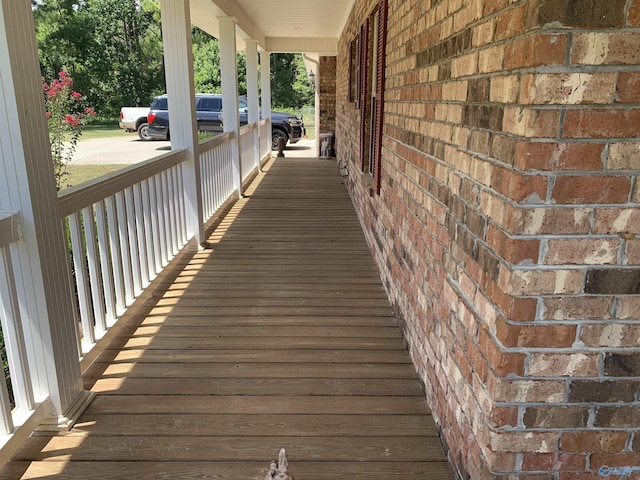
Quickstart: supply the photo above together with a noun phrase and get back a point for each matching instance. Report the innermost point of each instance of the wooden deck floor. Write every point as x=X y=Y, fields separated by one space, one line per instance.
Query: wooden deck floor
x=278 y=335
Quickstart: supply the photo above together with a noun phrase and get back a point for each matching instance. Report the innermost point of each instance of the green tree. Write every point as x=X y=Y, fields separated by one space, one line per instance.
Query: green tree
x=112 y=48
x=206 y=64
x=289 y=83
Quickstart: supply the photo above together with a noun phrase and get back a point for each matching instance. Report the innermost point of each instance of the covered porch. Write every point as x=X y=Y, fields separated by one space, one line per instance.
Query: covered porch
x=277 y=334
x=191 y=315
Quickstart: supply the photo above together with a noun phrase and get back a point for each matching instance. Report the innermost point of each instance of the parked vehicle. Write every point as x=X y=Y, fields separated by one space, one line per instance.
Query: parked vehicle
x=134 y=119
x=209 y=117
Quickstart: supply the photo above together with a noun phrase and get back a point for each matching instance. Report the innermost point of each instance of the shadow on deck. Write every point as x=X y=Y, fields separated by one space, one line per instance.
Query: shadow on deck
x=277 y=335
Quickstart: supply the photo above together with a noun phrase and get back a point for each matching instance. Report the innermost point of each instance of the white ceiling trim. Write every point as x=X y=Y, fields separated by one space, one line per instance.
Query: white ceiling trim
x=322 y=46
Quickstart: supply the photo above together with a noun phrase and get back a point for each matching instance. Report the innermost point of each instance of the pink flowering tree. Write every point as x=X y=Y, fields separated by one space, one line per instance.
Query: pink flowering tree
x=67 y=115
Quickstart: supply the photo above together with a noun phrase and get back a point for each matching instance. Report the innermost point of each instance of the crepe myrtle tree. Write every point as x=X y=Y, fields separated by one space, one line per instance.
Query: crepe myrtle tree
x=67 y=115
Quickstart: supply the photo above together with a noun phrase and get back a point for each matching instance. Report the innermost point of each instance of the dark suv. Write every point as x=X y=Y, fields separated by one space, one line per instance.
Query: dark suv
x=209 y=116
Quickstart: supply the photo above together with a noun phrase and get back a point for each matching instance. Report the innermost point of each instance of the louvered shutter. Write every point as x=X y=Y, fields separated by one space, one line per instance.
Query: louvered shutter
x=362 y=87
x=350 y=94
x=379 y=109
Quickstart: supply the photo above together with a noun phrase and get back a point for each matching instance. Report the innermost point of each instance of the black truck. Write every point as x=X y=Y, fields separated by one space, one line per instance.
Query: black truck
x=209 y=117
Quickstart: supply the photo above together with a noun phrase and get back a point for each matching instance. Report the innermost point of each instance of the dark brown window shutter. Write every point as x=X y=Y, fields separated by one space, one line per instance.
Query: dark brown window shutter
x=350 y=95
x=362 y=87
x=379 y=111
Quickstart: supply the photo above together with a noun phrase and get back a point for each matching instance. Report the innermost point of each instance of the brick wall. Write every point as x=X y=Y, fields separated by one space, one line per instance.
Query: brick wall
x=327 y=93
x=506 y=231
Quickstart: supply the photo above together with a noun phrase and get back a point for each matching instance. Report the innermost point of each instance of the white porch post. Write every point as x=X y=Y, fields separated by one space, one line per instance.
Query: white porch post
x=229 y=74
x=27 y=185
x=265 y=83
x=252 y=96
x=178 y=59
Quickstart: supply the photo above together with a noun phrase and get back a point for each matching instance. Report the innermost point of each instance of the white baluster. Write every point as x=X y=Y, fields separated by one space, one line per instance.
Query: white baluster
x=95 y=278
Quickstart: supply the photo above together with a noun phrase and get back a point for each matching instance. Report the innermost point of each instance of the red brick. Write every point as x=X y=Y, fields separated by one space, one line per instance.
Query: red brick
x=556 y=416
x=540 y=282
x=593 y=441
x=503 y=416
x=535 y=336
x=539 y=442
x=511 y=22
x=492 y=6
x=513 y=308
x=550 y=221
x=624 y=156
x=558 y=156
x=526 y=391
x=531 y=122
x=628 y=87
x=633 y=17
x=564 y=364
x=598 y=459
x=617 y=220
x=606 y=48
x=567 y=88
x=602 y=123
x=553 y=462
x=513 y=250
x=535 y=50
x=577 y=308
x=582 y=251
x=503 y=363
x=632 y=253
x=519 y=187
x=616 y=335
x=629 y=308
x=591 y=190
x=537 y=461
x=568 y=461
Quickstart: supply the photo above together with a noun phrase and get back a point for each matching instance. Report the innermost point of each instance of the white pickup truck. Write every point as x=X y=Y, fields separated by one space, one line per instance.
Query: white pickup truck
x=134 y=119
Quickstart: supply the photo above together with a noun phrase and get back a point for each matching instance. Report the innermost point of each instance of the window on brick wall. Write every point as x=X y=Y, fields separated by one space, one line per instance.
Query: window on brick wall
x=371 y=65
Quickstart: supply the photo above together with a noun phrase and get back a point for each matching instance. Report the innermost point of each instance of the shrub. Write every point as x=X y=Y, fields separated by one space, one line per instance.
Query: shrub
x=66 y=115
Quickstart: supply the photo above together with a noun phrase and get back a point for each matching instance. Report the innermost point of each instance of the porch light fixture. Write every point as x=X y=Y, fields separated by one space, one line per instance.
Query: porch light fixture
x=312 y=81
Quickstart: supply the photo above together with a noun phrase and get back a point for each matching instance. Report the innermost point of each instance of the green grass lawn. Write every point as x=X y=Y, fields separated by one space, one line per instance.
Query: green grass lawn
x=102 y=131
x=83 y=173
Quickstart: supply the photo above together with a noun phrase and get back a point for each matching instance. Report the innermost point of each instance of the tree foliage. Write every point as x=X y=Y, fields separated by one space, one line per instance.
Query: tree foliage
x=289 y=82
x=113 y=51
x=206 y=64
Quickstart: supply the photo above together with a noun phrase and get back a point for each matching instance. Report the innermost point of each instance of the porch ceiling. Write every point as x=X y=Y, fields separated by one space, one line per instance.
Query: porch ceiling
x=309 y=26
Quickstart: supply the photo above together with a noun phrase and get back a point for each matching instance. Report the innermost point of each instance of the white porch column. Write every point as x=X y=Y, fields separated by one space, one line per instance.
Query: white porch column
x=229 y=77
x=252 y=96
x=265 y=83
x=178 y=64
x=27 y=185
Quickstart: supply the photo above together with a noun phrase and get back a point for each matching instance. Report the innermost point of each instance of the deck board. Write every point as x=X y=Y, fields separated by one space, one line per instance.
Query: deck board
x=278 y=334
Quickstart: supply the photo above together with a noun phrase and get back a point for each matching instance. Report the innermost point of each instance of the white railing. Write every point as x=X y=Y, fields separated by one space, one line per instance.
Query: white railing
x=216 y=167
x=265 y=138
x=16 y=407
x=123 y=228
x=247 y=150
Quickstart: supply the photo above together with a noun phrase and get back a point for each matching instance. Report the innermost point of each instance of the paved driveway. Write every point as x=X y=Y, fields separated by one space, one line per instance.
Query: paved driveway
x=130 y=149
x=117 y=150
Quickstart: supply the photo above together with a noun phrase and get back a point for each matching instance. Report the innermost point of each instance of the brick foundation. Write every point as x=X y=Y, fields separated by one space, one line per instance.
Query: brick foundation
x=506 y=230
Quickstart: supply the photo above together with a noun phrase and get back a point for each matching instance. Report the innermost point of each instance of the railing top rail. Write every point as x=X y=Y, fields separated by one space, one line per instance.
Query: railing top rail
x=10 y=228
x=247 y=128
x=214 y=142
x=263 y=121
x=76 y=198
